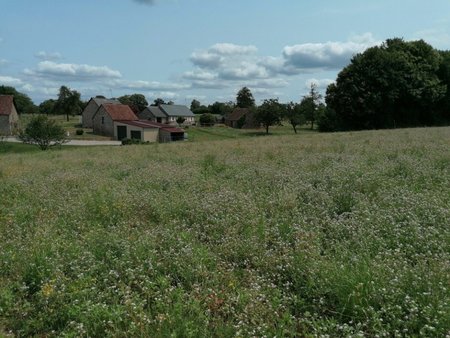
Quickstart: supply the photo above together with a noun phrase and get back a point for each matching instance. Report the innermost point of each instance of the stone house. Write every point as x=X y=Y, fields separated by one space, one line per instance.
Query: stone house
x=91 y=108
x=107 y=114
x=9 y=118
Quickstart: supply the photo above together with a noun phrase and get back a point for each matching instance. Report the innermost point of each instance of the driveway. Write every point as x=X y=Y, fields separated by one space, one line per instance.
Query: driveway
x=76 y=142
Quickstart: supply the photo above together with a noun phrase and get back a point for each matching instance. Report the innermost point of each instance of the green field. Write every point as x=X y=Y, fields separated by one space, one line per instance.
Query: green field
x=342 y=234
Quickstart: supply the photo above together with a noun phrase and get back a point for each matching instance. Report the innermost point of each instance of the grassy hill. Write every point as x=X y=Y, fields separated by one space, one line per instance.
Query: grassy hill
x=342 y=234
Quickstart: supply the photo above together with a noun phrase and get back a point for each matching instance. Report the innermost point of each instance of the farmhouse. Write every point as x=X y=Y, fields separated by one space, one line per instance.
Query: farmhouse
x=168 y=113
x=119 y=122
x=91 y=108
x=241 y=118
x=107 y=114
x=9 y=118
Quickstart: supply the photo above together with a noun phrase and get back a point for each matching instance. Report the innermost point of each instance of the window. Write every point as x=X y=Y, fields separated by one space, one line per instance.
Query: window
x=103 y=120
x=135 y=134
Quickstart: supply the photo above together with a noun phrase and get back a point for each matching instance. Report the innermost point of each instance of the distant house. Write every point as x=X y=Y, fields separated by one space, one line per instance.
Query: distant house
x=91 y=108
x=168 y=113
x=9 y=118
x=154 y=114
x=241 y=118
x=107 y=114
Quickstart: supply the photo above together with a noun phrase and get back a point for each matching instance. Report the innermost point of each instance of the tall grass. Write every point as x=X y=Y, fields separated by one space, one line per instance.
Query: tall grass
x=333 y=234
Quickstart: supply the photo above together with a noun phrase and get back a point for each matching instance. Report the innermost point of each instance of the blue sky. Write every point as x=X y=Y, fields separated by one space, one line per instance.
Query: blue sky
x=204 y=49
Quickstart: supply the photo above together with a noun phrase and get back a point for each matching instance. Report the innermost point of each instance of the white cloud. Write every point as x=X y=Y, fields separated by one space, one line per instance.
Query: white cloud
x=46 y=56
x=3 y=62
x=328 y=55
x=320 y=83
x=10 y=81
x=200 y=75
x=245 y=70
x=69 y=71
x=437 y=37
x=232 y=49
x=165 y=95
x=205 y=59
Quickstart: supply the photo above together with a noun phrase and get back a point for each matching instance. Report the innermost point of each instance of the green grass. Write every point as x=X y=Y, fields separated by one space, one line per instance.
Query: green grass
x=312 y=234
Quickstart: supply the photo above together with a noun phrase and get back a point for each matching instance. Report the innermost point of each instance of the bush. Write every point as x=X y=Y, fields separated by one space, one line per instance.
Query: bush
x=79 y=132
x=207 y=119
x=43 y=132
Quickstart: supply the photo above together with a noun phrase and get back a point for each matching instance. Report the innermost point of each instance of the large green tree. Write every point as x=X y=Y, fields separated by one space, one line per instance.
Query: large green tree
x=244 y=98
x=269 y=113
x=68 y=102
x=137 y=102
x=23 y=103
x=392 y=85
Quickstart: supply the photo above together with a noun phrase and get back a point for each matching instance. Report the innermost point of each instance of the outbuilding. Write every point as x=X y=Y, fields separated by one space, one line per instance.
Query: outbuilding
x=9 y=118
x=91 y=108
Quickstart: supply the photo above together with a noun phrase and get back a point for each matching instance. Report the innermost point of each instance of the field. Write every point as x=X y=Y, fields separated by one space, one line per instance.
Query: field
x=342 y=234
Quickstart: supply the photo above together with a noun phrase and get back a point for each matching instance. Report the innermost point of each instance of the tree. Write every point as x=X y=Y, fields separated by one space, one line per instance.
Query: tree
x=269 y=113
x=136 y=102
x=310 y=104
x=244 y=98
x=43 y=132
x=158 y=101
x=23 y=103
x=294 y=115
x=207 y=119
x=47 y=106
x=392 y=85
x=221 y=108
x=195 y=104
x=68 y=102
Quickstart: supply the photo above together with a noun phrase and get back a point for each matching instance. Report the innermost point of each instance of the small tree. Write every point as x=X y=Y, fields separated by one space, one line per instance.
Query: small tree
x=294 y=115
x=269 y=113
x=244 y=98
x=68 y=102
x=43 y=132
x=207 y=119
x=310 y=104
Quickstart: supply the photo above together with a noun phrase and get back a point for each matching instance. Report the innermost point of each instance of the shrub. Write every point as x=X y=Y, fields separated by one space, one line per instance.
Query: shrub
x=207 y=119
x=79 y=132
x=43 y=132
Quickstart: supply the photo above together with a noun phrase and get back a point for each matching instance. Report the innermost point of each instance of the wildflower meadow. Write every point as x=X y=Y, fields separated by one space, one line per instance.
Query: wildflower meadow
x=327 y=235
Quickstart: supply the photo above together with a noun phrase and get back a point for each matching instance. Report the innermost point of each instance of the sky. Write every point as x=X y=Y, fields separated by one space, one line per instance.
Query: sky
x=206 y=50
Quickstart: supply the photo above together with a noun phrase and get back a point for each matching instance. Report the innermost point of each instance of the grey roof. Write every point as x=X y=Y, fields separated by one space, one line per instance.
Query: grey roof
x=156 y=112
x=176 y=110
x=99 y=101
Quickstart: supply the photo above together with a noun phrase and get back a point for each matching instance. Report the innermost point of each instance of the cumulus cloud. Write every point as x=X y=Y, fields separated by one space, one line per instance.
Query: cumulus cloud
x=205 y=59
x=46 y=56
x=10 y=81
x=232 y=49
x=328 y=55
x=70 y=71
x=244 y=70
x=199 y=75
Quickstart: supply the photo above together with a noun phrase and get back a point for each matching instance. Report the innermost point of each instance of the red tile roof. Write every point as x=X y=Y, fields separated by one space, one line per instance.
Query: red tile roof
x=120 y=112
x=6 y=104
